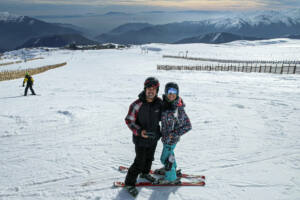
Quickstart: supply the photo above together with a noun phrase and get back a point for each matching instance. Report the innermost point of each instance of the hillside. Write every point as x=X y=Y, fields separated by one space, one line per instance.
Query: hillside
x=68 y=142
x=57 y=41
x=216 y=38
x=16 y=30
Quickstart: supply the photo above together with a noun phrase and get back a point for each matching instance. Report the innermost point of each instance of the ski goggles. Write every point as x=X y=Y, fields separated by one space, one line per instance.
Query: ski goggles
x=172 y=91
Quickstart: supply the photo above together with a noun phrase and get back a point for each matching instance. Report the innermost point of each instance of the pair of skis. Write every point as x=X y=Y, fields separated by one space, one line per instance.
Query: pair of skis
x=200 y=180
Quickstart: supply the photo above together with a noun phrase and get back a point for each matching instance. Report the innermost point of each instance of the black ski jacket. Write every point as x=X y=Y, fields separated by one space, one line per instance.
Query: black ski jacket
x=143 y=115
x=28 y=79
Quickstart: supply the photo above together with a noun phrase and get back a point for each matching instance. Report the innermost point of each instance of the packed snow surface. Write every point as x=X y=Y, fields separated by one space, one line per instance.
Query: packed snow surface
x=68 y=142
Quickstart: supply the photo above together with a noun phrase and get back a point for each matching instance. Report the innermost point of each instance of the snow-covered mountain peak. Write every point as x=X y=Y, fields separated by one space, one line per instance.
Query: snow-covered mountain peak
x=255 y=19
x=293 y=13
x=234 y=22
x=269 y=18
x=8 y=17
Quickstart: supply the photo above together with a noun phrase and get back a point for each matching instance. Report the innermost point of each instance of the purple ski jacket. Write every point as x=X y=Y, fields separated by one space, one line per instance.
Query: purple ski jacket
x=174 y=121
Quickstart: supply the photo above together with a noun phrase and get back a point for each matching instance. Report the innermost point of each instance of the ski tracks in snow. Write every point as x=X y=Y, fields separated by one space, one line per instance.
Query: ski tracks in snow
x=68 y=143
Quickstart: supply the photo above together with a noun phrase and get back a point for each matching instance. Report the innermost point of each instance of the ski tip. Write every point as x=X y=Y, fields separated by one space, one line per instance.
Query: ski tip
x=121 y=168
x=118 y=184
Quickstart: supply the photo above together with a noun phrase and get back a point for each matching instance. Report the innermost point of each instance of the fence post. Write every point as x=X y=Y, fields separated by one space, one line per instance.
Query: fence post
x=295 y=69
x=282 y=66
x=259 y=68
x=265 y=68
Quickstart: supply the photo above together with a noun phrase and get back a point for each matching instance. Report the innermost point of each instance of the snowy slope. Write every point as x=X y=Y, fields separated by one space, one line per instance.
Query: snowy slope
x=68 y=142
x=21 y=58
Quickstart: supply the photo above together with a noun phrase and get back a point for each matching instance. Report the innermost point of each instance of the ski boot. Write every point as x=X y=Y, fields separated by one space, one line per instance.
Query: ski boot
x=131 y=190
x=163 y=181
x=162 y=171
x=148 y=177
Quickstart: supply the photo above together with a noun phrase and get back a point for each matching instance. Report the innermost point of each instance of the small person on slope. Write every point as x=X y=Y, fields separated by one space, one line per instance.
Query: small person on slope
x=29 y=84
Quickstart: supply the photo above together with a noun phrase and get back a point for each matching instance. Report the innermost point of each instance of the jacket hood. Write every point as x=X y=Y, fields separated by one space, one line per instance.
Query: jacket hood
x=142 y=96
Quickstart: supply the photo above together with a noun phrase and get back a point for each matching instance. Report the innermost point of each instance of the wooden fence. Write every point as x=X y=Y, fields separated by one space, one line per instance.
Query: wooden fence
x=9 y=75
x=277 y=68
x=19 y=61
x=231 y=61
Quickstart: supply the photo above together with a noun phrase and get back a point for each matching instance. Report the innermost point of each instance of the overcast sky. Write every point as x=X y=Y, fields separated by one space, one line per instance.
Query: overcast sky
x=63 y=7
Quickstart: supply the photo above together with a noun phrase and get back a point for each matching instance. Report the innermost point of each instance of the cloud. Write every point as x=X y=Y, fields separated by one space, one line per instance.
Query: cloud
x=176 y=4
x=207 y=4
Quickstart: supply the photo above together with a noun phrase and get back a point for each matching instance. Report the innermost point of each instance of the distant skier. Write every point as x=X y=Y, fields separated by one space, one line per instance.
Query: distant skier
x=143 y=119
x=29 y=84
x=174 y=123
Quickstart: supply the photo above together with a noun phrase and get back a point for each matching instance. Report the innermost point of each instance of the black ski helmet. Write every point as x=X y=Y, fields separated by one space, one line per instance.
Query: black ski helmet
x=171 y=85
x=151 y=82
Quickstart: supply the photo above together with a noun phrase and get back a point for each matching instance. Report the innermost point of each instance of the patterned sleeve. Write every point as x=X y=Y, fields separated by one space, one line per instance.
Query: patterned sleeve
x=164 y=128
x=184 y=124
x=131 y=117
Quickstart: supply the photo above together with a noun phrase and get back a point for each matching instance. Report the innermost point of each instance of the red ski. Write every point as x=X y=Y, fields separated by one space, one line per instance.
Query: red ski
x=149 y=184
x=125 y=169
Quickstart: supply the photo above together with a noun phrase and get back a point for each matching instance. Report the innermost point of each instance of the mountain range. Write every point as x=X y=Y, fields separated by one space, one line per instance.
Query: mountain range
x=216 y=38
x=57 y=41
x=22 y=31
x=16 y=30
x=268 y=25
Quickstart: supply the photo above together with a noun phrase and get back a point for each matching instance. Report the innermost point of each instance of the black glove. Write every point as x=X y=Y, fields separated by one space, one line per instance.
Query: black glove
x=151 y=135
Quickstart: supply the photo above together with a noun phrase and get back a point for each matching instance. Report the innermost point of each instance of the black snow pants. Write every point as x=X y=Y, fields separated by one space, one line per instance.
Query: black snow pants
x=31 y=89
x=142 y=163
